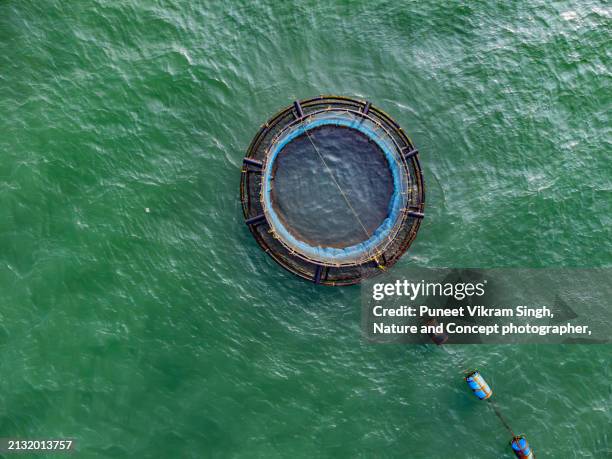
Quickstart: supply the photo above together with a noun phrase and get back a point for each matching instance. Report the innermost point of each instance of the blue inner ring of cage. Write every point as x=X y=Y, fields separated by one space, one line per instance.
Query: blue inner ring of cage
x=334 y=253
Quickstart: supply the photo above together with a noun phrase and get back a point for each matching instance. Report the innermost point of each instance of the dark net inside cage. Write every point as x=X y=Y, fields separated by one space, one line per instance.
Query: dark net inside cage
x=331 y=187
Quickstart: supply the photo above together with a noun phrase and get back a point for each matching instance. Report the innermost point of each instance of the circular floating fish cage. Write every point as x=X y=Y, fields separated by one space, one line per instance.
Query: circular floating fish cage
x=332 y=189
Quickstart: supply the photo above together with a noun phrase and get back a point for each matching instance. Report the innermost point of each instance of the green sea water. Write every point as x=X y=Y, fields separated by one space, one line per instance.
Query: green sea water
x=170 y=334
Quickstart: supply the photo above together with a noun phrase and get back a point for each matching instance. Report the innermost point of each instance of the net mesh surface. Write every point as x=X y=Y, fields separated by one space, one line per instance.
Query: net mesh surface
x=335 y=206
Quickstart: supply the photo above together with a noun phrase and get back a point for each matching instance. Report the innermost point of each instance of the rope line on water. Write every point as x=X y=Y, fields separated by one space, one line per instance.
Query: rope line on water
x=501 y=417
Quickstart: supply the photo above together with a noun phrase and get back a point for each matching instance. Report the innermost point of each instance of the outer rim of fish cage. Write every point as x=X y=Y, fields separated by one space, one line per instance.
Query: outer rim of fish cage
x=296 y=263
